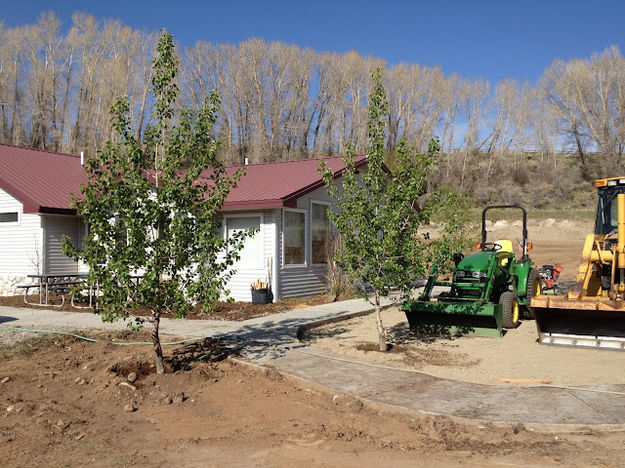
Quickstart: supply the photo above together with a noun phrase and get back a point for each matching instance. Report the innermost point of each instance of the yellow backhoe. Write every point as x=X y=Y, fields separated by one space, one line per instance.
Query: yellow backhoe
x=592 y=314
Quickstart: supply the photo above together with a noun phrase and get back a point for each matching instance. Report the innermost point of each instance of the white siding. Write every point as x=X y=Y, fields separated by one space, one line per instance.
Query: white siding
x=239 y=284
x=20 y=242
x=55 y=227
x=308 y=280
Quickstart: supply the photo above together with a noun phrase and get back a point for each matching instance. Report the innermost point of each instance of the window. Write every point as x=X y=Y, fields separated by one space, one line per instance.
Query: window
x=294 y=238
x=252 y=252
x=8 y=217
x=320 y=233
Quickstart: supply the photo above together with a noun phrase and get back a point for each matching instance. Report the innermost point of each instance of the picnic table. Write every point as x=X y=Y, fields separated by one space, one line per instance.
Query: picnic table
x=60 y=283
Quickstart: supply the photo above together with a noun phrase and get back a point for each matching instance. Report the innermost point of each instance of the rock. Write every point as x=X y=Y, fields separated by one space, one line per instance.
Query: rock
x=356 y=404
x=62 y=424
x=415 y=425
x=80 y=381
x=126 y=384
x=79 y=436
x=167 y=401
x=132 y=377
x=178 y=398
x=502 y=223
x=348 y=401
x=10 y=408
x=130 y=408
x=549 y=222
x=5 y=379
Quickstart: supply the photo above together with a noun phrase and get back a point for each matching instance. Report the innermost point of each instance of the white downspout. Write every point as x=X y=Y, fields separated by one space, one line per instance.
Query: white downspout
x=277 y=222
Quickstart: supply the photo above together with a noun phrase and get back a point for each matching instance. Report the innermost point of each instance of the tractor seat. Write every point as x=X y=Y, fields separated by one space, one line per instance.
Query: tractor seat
x=506 y=246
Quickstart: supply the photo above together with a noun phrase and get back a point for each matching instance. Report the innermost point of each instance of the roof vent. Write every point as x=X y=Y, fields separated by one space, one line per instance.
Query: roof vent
x=82 y=158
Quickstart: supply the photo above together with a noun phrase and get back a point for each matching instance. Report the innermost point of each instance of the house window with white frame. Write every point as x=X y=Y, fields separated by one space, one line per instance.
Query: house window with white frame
x=294 y=237
x=320 y=232
x=252 y=252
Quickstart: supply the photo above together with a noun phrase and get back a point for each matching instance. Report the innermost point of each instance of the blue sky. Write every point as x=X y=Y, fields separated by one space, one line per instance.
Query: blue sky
x=473 y=38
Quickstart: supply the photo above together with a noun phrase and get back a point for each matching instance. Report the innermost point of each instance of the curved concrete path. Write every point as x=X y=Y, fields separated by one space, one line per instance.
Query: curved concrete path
x=272 y=340
x=603 y=405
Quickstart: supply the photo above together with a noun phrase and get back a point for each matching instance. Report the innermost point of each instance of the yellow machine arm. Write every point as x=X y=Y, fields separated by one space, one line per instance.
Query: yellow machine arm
x=593 y=313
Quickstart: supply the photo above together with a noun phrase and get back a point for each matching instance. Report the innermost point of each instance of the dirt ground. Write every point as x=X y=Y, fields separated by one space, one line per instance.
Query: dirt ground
x=470 y=358
x=70 y=403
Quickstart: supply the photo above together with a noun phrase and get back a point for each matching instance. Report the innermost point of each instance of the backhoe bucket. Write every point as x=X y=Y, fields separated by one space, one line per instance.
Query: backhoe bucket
x=591 y=322
x=454 y=318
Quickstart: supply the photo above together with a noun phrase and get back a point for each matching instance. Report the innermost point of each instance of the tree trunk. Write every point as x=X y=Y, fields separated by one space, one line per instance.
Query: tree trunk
x=580 y=152
x=142 y=110
x=158 y=351
x=378 y=319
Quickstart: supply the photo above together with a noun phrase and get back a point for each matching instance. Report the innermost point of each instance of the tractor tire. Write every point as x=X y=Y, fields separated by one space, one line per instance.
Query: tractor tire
x=511 y=309
x=534 y=288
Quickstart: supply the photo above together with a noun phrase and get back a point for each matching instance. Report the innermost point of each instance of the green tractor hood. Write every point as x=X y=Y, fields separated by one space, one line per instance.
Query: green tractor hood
x=478 y=261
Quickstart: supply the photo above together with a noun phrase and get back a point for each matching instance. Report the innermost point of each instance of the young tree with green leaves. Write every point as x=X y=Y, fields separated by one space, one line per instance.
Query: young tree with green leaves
x=153 y=209
x=378 y=214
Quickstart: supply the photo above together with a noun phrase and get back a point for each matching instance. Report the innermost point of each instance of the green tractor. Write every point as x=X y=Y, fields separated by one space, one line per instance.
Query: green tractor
x=490 y=290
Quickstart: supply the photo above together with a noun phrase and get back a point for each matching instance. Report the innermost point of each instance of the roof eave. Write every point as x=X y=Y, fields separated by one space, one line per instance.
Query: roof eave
x=253 y=205
x=55 y=210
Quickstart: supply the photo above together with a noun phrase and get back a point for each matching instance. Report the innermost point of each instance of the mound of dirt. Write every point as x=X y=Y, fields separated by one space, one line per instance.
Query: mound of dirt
x=71 y=403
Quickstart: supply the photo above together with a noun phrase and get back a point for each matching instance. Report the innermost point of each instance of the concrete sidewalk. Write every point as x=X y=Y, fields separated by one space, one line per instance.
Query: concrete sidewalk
x=267 y=331
x=272 y=340
x=413 y=390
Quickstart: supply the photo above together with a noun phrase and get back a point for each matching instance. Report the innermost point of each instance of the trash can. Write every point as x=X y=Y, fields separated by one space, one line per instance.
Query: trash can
x=260 y=296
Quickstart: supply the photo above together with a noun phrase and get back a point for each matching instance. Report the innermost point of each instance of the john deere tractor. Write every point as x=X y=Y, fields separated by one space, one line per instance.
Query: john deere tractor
x=490 y=290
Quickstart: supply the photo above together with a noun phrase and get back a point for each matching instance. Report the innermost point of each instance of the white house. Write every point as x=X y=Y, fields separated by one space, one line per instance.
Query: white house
x=287 y=201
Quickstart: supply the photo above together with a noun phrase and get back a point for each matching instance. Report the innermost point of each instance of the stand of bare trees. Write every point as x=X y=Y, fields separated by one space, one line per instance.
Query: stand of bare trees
x=280 y=101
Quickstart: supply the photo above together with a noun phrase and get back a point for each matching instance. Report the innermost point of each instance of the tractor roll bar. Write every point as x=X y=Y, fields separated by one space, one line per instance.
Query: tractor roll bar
x=503 y=207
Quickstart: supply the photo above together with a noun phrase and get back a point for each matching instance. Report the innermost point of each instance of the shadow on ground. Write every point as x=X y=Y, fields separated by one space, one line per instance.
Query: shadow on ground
x=265 y=338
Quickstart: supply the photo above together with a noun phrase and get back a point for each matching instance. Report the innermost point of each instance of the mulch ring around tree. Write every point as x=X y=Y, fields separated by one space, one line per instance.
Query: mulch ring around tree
x=235 y=311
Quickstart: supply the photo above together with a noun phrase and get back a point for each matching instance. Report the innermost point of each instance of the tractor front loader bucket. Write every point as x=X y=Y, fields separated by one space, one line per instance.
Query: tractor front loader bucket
x=593 y=314
x=588 y=322
x=454 y=317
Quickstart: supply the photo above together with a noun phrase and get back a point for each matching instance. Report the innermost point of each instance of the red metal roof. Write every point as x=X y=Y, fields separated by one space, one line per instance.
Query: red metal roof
x=278 y=184
x=44 y=181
